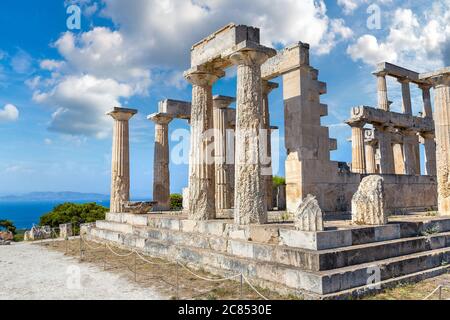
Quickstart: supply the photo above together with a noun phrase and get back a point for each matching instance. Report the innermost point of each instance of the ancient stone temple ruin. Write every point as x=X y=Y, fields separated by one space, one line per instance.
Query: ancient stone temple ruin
x=347 y=231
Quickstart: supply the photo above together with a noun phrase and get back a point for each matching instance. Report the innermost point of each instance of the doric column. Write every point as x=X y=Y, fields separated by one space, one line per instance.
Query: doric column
x=267 y=87
x=406 y=96
x=120 y=164
x=250 y=203
x=441 y=84
x=161 y=174
x=430 y=153
x=358 y=147
x=223 y=185
x=411 y=149
x=371 y=150
x=426 y=97
x=202 y=205
x=386 y=153
x=383 y=100
x=399 y=158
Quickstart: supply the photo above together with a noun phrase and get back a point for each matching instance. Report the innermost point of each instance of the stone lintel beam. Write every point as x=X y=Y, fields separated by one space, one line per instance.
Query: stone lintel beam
x=399 y=73
x=212 y=47
x=399 y=120
x=290 y=58
x=175 y=108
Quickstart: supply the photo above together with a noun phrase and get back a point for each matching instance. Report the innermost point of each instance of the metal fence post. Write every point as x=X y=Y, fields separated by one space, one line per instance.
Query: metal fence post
x=81 y=249
x=135 y=266
x=178 y=285
x=242 y=285
x=440 y=292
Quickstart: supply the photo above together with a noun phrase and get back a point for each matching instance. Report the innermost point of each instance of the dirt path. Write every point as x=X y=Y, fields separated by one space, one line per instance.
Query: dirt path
x=33 y=272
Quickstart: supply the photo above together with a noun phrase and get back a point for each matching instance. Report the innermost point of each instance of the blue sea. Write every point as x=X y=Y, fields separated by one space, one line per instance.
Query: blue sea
x=25 y=214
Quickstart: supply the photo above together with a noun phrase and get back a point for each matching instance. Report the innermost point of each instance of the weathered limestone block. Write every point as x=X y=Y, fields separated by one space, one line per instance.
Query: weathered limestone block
x=139 y=207
x=38 y=233
x=65 y=231
x=85 y=229
x=309 y=216
x=368 y=203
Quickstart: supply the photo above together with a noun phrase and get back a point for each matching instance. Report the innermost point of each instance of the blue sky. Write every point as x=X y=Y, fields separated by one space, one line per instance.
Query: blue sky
x=56 y=83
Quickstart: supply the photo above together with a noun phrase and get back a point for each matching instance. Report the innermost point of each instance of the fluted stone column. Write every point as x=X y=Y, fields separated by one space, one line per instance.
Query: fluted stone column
x=371 y=163
x=386 y=151
x=250 y=202
x=411 y=152
x=426 y=97
x=441 y=84
x=120 y=164
x=202 y=205
x=223 y=185
x=430 y=153
x=267 y=172
x=406 y=96
x=383 y=100
x=161 y=174
x=358 y=147
x=399 y=158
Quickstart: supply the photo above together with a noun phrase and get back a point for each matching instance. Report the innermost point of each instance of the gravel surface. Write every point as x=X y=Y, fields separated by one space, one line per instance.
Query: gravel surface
x=33 y=272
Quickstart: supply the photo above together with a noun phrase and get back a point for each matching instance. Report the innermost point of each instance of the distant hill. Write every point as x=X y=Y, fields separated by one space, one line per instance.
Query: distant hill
x=55 y=196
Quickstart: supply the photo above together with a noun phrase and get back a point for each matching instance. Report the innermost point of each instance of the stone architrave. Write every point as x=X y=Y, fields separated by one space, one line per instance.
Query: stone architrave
x=161 y=173
x=120 y=168
x=368 y=203
x=250 y=202
x=202 y=204
x=309 y=216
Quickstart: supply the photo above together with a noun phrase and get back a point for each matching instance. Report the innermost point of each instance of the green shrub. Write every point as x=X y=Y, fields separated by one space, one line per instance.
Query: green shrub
x=74 y=213
x=278 y=181
x=176 y=202
x=7 y=225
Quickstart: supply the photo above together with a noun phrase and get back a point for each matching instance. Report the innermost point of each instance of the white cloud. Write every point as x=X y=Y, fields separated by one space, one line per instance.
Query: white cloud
x=22 y=62
x=51 y=65
x=9 y=113
x=349 y=6
x=370 y=51
x=48 y=141
x=80 y=104
x=418 y=41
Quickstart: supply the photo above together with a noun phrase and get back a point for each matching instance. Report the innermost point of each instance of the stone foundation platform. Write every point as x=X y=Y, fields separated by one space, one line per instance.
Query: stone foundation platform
x=336 y=263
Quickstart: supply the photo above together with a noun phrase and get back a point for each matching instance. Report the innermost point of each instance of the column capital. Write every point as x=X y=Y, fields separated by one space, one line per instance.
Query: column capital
x=160 y=118
x=203 y=75
x=380 y=74
x=438 y=78
x=122 y=114
x=268 y=86
x=222 y=102
x=427 y=135
x=356 y=123
x=252 y=55
x=424 y=86
x=403 y=80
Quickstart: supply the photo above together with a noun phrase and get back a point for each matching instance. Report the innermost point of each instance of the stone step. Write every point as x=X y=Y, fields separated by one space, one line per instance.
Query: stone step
x=302 y=258
x=322 y=282
x=285 y=234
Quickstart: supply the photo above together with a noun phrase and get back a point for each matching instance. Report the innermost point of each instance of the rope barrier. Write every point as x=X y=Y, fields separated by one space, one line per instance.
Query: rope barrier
x=432 y=293
x=183 y=266
x=254 y=289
